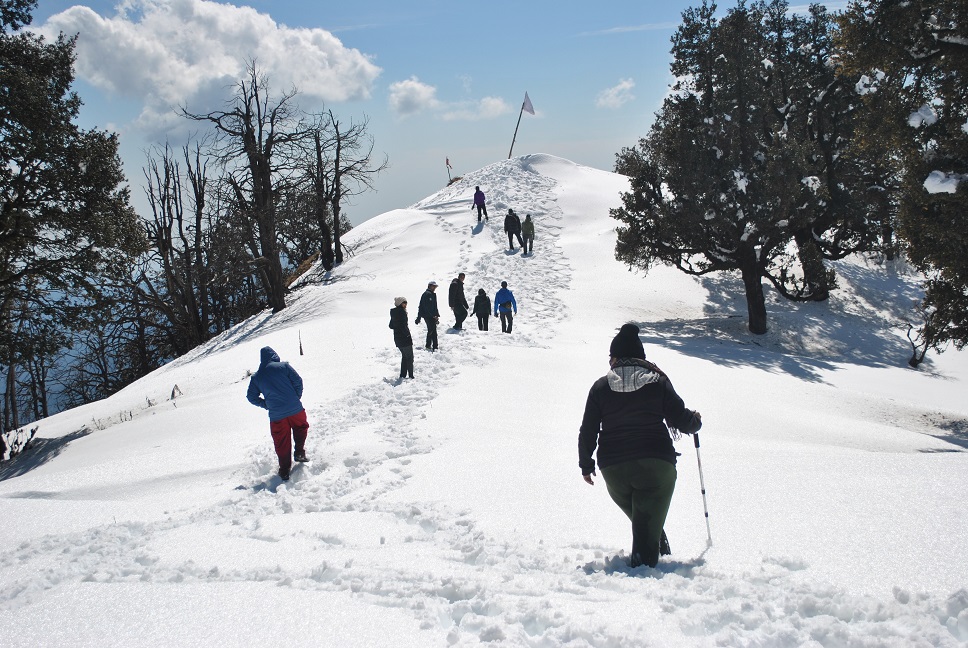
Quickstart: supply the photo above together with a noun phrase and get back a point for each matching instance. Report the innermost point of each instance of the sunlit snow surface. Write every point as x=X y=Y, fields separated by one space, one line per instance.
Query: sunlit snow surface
x=450 y=510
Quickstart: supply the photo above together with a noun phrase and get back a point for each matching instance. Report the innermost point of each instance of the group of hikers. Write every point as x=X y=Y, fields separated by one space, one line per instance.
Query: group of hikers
x=632 y=413
x=505 y=306
x=513 y=226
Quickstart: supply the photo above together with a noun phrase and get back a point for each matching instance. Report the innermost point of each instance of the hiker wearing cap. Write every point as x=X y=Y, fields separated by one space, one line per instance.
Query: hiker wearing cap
x=401 y=335
x=429 y=313
x=527 y=230
x=632 y=415
x=457 y=301
x=505 y=306
x=277 y=388
x=479 y=201
x=482 y=308
x=512 y=225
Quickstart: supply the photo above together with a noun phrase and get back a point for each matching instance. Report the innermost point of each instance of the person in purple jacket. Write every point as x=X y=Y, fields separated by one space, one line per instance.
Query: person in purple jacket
x=479 y=203
x=278 y=388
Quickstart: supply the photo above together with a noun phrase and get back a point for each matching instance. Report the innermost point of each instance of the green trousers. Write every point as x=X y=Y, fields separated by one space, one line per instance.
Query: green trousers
x=643 y=489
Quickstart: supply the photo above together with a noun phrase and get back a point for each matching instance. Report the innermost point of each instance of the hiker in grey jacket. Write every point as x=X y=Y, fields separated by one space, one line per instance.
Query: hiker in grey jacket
x=629 y=415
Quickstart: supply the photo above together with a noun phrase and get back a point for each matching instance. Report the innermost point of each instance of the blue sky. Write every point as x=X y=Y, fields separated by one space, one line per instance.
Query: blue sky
x=435 y=79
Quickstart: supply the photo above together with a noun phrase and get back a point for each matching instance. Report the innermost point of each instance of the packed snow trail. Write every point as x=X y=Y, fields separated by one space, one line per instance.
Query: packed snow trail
x=339 y=527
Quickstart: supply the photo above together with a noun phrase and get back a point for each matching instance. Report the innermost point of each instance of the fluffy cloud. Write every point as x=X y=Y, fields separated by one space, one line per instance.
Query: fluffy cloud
x=616 y=96
x=165 y=53
x=413 y=96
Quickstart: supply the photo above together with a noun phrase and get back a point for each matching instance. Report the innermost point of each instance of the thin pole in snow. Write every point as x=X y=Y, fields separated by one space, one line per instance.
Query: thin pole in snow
x=702 y=485
x=513 y=139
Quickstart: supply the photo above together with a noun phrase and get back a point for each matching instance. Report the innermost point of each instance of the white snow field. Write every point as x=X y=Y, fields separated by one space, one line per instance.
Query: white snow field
x=450 y=510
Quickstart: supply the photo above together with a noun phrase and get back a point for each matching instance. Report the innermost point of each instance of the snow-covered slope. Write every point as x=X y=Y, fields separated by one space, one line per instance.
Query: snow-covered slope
x=450 y=510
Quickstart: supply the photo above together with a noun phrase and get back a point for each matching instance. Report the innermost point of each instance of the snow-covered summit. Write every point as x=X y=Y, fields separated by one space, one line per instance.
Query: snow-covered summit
x=450 y=510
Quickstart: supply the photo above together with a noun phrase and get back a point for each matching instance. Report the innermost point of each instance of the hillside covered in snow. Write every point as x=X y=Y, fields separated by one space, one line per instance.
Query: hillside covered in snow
x=450 y=509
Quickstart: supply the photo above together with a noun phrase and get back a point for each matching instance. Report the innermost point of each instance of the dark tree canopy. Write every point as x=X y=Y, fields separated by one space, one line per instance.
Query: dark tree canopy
x=746 y=167
x=914 y=56
x=66 y=226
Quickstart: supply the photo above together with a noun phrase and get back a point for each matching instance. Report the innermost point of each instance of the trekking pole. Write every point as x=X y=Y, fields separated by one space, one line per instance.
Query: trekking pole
x=702 y=485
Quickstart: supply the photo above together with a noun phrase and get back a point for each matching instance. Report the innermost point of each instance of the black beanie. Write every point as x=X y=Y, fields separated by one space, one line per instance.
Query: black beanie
x=627 y=344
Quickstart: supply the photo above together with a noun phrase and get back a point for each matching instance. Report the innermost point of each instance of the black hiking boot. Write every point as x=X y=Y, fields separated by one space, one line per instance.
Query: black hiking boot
x=301 y=456
x=283 y=474
x=664 y=548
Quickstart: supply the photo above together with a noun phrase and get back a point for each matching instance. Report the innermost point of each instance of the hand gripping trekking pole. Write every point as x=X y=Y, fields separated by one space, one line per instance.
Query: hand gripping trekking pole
x=702 y=485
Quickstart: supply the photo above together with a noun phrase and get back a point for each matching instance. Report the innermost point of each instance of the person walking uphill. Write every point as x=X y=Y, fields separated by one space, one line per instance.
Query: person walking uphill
x=479 y=202
x=429 y=313
x=401 y=335
x=457 y=301
x=630 y=414
x=482 y=308
x=527 y=230
x=512 y=225
x=504 y=304
x=278 y=388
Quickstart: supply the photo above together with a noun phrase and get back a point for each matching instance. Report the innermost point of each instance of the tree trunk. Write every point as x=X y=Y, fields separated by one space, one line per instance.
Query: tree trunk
x=815 y=277
x=755 y=299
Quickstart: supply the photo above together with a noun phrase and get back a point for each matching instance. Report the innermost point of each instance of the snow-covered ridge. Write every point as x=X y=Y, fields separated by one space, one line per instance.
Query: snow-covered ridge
x=450 y=510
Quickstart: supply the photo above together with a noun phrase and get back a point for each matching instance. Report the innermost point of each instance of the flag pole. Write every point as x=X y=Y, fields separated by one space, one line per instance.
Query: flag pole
x=516 y=130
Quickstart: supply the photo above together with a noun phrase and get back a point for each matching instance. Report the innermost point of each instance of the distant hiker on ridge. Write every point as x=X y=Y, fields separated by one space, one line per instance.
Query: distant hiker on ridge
x=629 y=415
x=401 y=335
x=504 y=304
x=281 y=388
x=457 y=301
x=428 y=311
x=482 y=308
x=479 y=201
x=527 y=229
x=512 y=225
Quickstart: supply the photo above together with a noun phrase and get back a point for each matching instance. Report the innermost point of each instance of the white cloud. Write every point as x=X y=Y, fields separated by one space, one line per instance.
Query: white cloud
x=412 y=96
x=166 y=53
x=486 y=108
x=616 y=96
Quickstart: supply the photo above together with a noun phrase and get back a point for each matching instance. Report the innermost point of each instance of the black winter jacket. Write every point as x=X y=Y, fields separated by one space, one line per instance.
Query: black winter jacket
x=627 y=414
x=482 y=306
x=401 y=327
x=456 y=297
x=428 y=305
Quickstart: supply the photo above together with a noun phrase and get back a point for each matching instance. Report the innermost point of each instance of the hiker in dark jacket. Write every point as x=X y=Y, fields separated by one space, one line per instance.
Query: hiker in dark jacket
x=506 y=307
x=429 y=313
x=401 y=335
x=629 y=415
x=479 y=202
x=457 y=301
x=482 y=308
x=527 y=230
x=278 y=388
x=512 y=225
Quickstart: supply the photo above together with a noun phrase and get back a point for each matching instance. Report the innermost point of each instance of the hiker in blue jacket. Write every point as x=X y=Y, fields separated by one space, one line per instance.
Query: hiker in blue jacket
x=278 y=388
x=505 y=306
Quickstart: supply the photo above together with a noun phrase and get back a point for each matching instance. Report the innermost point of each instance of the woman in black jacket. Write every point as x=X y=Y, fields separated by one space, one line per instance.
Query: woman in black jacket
x=629 y=415
x=482 y=308
x=401 y=335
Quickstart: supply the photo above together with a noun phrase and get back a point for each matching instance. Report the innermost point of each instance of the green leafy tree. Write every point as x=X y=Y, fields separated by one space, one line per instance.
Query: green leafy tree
x=744 y=168
x=915 y=56
x=66 y=226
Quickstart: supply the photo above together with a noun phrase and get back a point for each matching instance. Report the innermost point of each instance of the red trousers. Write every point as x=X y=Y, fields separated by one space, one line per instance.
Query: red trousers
x=284 y=431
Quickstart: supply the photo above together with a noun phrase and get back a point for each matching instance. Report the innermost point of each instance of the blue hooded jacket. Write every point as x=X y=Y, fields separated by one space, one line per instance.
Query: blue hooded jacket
x=279 y=383
x=502 y=297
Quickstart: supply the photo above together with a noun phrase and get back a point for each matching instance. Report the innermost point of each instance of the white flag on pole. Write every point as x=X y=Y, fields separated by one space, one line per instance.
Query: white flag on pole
x=527 y=107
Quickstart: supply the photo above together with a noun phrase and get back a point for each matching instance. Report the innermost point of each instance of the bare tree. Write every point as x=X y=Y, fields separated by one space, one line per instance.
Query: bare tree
x=350 y=170
x=255 y=140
